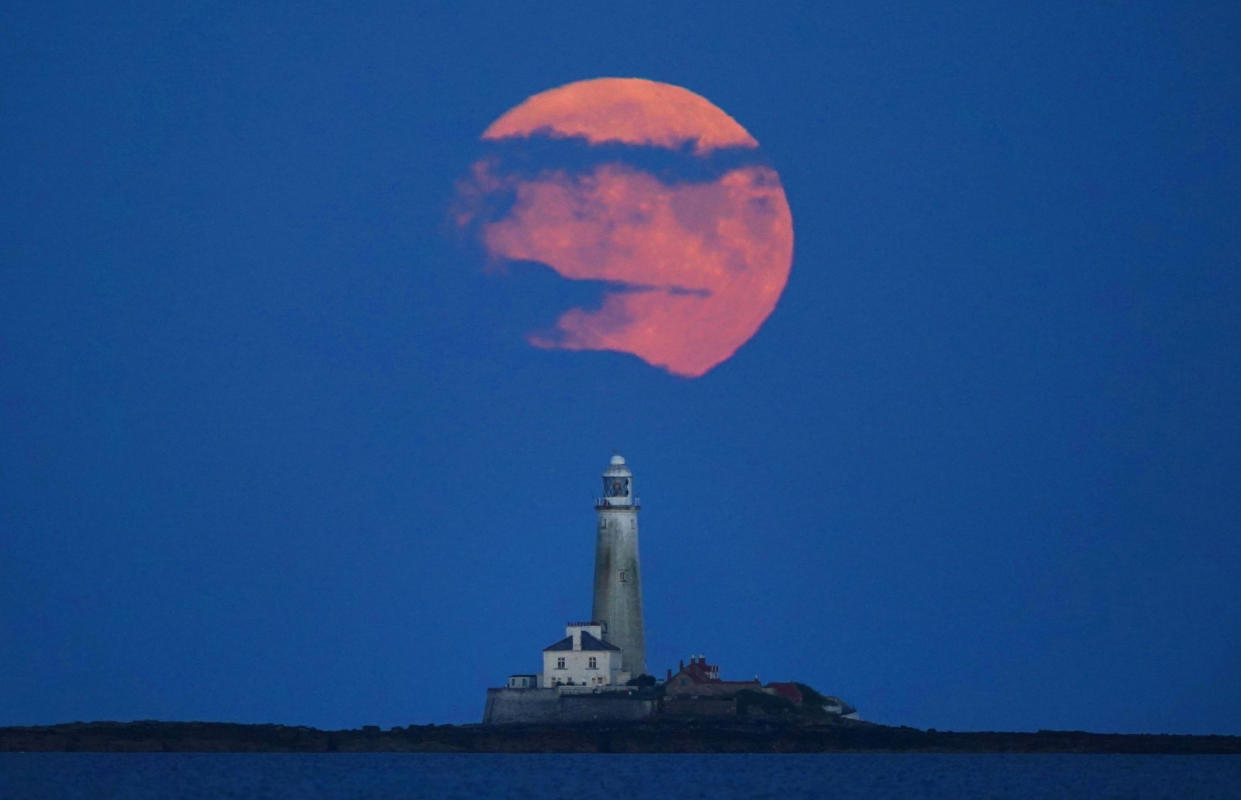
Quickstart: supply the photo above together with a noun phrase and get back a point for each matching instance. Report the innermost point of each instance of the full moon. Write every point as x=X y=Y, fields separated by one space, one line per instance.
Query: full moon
x=652 y=190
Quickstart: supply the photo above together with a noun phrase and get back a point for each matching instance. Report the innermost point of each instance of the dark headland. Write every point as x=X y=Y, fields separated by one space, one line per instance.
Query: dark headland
x=651 y=736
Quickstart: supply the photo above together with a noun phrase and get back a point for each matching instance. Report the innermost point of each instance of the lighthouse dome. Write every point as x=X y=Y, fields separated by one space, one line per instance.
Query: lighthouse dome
x=617 y=459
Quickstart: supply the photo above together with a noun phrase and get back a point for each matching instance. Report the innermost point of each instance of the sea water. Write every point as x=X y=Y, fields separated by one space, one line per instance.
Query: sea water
x=52 y=776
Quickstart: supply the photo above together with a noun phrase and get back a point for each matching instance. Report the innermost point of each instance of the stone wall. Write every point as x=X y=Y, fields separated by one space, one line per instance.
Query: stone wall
x=507 y=706
x=521 y=705
x=592 y=707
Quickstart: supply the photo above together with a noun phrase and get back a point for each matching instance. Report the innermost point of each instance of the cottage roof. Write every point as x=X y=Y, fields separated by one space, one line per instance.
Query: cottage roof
x=786 y=689
x=588 y=643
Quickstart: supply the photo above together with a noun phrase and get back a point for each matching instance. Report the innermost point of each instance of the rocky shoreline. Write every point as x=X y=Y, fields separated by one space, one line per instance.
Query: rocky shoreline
x=655 y=736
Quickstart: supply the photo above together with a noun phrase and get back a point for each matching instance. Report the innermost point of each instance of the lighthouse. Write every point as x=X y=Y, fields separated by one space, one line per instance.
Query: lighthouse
x=618 y=577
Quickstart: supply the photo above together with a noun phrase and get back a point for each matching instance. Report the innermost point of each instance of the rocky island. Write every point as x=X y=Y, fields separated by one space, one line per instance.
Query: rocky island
x=697 y=735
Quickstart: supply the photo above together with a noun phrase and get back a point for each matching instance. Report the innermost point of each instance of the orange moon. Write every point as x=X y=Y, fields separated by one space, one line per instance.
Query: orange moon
x=694 y=256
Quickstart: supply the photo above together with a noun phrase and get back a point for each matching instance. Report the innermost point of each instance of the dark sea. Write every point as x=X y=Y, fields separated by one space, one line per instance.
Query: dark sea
x=50 y=776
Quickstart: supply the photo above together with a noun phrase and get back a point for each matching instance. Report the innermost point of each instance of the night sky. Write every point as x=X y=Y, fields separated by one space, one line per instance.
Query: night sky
x=274 y=448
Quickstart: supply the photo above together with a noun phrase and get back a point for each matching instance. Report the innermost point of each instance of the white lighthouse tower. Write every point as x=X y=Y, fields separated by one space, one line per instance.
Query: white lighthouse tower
x=618 y=578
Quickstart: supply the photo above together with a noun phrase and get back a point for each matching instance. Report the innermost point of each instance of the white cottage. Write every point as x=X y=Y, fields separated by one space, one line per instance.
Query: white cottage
x=582 y=659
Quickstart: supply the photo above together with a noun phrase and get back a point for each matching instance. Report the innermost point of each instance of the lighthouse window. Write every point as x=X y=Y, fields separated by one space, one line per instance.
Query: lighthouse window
x=615 y=487
x=624 y=576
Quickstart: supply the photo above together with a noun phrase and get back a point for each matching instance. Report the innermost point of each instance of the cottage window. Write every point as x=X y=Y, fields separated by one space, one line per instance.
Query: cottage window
x=592 y=663
x=560 y=662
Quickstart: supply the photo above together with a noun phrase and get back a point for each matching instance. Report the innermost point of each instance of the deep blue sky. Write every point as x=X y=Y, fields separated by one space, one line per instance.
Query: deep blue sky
x=272 y=449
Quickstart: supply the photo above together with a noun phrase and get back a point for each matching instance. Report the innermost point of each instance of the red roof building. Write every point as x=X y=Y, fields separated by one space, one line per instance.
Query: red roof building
x=788 y=691
x=700 y=679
